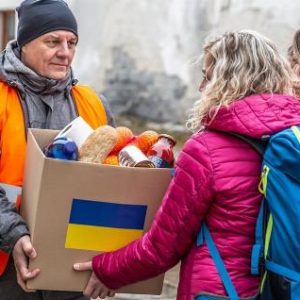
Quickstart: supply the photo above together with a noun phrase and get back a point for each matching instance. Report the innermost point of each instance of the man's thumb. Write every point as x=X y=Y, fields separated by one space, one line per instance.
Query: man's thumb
x=28 y=249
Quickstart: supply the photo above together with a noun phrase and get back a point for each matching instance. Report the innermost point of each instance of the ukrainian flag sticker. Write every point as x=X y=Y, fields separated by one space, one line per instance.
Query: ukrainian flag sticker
x=104 y=226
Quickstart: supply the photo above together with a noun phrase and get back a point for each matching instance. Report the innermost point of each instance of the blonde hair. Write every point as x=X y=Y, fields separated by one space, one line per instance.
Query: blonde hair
x=243 y=63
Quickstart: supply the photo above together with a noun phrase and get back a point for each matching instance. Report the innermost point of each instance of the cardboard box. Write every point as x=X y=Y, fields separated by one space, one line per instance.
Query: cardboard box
x=53 y=188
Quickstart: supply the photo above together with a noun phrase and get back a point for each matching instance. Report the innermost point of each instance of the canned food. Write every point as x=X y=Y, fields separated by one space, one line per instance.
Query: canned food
x=131 y=156
x=161 y=153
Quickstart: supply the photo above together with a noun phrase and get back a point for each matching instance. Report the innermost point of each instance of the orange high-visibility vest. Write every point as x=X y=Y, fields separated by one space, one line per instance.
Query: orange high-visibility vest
x=13 y=133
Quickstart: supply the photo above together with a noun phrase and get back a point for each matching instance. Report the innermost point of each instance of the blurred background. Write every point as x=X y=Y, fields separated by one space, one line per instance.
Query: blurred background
x=144 y=56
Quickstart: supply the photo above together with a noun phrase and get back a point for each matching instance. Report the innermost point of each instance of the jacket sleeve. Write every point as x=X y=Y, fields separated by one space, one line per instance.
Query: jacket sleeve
x=12 y=225
x=175 y=226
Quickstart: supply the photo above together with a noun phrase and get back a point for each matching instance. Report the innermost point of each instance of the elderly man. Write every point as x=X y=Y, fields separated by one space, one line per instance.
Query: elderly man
x=37 y=89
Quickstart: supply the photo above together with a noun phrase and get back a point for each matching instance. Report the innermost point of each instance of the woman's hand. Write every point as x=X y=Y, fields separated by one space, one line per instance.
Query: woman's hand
x=94 y=288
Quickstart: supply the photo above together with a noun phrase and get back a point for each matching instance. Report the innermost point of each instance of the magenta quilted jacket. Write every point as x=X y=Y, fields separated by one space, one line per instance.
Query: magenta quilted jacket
x=216 y=180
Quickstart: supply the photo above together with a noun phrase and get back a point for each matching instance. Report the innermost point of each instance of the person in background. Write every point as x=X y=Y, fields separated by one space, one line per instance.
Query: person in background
x=37 y=90
x=246 y=89
x=294 y=59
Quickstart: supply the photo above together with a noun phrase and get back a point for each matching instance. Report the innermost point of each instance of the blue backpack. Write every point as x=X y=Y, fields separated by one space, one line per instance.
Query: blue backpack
x=276 y=252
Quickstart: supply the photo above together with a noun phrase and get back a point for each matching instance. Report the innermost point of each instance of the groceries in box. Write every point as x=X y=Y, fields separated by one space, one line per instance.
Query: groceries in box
x=114 y=146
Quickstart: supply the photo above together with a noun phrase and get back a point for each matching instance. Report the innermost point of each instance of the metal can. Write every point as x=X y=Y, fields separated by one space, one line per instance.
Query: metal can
x=132 y=156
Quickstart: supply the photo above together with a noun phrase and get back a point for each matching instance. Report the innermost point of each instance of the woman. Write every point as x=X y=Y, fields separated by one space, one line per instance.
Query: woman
x=245 y=90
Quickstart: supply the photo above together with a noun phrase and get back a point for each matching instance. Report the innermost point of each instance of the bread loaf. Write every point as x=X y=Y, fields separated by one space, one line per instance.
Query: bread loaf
x=98 y=145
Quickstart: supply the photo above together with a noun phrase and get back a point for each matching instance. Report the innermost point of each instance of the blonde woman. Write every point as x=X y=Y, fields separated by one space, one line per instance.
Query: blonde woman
x=245 y=89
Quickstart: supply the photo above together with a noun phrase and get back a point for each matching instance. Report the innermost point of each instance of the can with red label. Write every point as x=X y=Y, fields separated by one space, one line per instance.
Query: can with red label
x=131 y=156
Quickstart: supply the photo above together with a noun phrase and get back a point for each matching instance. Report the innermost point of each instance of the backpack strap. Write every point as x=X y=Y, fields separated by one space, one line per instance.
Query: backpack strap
x=205 y=234
x=257 y=144
x=268 y=232
x=283 y=271
x=257 y=249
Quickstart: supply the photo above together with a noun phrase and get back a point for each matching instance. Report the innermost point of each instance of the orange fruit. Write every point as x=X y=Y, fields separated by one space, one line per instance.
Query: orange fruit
x=146 y=139
x=124 y=136
x=111 y=159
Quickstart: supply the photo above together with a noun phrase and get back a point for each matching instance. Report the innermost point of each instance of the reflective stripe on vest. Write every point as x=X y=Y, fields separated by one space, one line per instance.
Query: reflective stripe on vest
x=13 y=133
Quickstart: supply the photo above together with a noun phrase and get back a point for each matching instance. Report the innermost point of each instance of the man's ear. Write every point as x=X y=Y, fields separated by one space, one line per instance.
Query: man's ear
x=23 y=49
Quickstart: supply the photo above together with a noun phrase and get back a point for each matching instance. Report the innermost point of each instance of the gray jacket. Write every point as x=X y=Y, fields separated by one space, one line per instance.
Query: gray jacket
x=46 y=104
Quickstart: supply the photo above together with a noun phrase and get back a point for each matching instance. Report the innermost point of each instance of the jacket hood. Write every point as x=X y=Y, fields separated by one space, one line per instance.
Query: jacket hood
x=258 y=115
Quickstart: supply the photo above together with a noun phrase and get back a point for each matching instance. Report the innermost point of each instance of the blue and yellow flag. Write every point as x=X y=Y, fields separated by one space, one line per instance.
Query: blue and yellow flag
x=104 y=226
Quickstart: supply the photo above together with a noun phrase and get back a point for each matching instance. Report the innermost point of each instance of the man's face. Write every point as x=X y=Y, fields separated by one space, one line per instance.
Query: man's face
x=51 y=54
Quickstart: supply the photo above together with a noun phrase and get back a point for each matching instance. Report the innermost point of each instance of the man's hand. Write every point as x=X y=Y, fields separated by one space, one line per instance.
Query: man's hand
x=22 y=251
x=94 y=288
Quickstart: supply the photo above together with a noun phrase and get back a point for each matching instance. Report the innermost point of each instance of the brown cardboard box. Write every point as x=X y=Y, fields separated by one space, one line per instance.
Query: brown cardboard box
x=49 y=189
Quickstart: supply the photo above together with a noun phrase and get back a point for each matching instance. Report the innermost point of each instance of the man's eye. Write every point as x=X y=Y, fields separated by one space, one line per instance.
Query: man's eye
x=72 y=44
x=52 y=43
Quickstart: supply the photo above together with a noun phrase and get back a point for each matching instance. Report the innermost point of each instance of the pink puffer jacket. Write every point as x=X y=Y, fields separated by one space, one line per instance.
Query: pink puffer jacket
x=216 y=180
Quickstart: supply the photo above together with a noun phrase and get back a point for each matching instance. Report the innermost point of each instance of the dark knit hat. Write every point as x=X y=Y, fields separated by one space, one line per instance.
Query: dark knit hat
x=37 y=17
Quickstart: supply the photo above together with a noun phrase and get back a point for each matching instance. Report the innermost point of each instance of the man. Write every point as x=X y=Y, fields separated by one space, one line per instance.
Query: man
x=37 y=89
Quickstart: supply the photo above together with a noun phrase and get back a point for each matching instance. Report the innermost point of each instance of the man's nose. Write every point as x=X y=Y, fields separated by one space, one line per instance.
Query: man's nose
x=64 y=49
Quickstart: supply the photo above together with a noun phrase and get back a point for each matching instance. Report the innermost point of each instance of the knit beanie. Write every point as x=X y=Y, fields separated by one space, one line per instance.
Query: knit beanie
x=37 y=17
